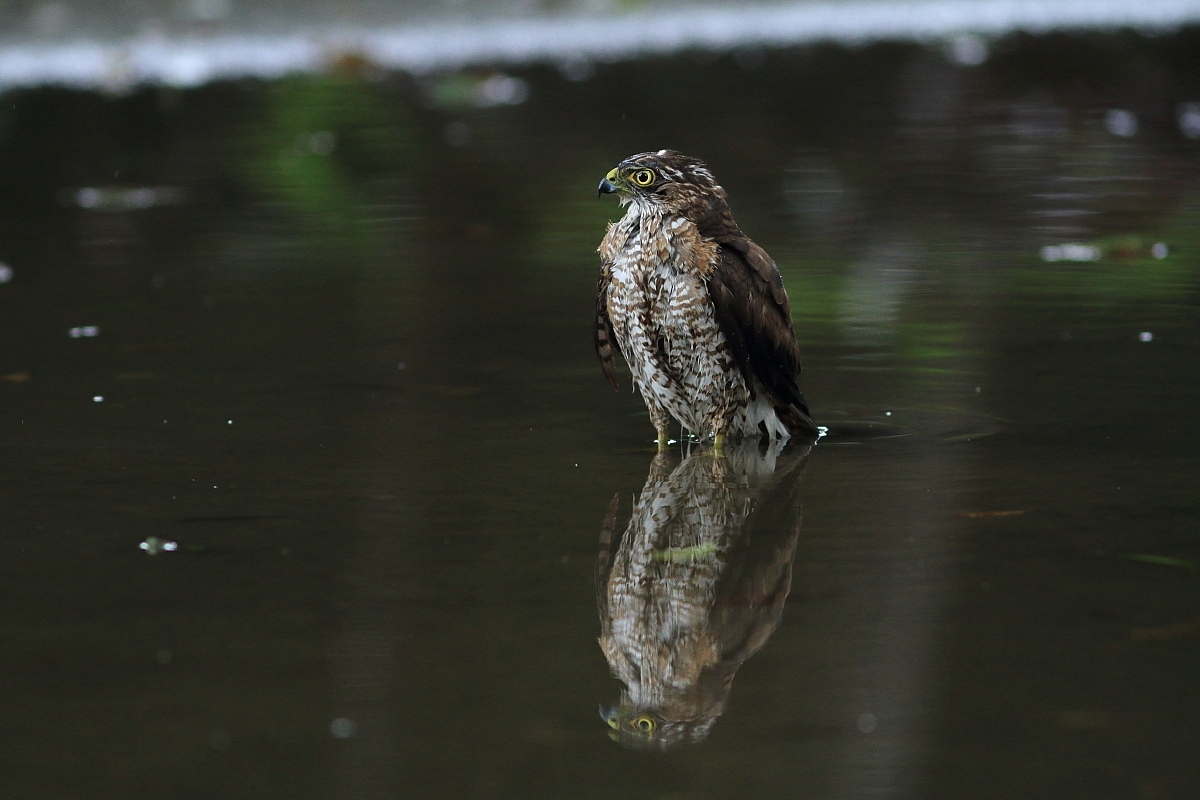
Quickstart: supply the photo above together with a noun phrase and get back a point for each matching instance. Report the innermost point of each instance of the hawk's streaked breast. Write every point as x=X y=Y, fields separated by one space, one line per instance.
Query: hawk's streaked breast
x=662 y=316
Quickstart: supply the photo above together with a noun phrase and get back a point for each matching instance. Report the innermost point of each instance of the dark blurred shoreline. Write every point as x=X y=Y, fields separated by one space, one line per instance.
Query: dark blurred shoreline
x=99 y=45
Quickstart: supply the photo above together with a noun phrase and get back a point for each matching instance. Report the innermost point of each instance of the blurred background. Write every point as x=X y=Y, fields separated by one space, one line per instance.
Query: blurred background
x=310 y=480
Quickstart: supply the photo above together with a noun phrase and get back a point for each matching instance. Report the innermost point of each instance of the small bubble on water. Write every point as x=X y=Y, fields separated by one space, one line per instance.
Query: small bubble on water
x=97 y=398
x=228 y=422
x=887 y=413
x=1145 y=336
x=343 y=728
x=1160 y=250
x=163 y=657
x=89 y=197
x=866 y=722
x=1189 y=120
x=84 y=332
x=1120 y=122
x=402 y=366
x=6 y=273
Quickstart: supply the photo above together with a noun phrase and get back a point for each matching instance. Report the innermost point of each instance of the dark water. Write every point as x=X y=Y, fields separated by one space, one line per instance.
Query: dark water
x=341 y=361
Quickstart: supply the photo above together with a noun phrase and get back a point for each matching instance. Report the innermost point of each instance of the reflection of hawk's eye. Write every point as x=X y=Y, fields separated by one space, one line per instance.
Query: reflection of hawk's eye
x=643 y=723
x=643 y=177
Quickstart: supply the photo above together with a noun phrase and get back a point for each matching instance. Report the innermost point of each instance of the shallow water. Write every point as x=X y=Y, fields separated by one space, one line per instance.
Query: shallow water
x=330 y=337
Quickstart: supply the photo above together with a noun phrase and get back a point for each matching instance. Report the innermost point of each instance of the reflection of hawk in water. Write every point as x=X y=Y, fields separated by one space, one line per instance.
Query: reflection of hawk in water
x=696 y=308
x=694 y=586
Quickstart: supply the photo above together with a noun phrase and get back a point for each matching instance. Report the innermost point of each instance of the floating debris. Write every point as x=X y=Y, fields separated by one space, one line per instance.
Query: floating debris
x=684 y=555
x=124 y=198
x=1071 y=252
x=154 y=545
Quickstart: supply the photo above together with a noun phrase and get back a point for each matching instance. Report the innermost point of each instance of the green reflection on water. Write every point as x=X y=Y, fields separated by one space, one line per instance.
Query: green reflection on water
x=332 y=150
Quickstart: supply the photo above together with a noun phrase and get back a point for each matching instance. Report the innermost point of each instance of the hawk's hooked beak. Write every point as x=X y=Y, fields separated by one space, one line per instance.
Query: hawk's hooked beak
x=607 y=186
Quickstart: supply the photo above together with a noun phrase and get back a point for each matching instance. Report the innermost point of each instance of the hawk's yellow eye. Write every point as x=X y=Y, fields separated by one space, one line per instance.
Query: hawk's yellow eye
x=644 y=724
x=642 y=177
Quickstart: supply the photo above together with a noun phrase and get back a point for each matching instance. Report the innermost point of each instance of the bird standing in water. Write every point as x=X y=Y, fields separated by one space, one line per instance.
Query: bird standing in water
x=698 y=310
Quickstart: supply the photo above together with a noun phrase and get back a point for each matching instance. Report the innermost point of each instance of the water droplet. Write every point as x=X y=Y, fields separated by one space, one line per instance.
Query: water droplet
x=343 y=728
x=1189 y=120
x=1120 y=122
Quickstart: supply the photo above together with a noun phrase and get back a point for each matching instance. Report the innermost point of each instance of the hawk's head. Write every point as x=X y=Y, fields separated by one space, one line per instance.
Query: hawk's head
x=665 y=178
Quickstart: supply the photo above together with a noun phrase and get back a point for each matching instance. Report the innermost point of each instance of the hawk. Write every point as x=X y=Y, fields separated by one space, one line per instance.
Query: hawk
x=697 y=310
x=694 y=586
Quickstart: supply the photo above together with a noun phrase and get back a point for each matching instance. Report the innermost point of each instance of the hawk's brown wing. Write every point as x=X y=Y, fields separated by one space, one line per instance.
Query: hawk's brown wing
x=606 y=340
x=752 y=309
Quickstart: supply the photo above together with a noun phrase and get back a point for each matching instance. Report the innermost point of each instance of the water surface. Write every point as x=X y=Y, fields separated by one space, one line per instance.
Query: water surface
x=330 y=336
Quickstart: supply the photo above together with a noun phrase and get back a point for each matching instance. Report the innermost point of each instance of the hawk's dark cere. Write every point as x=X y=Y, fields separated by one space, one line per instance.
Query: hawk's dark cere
x=697 y=309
